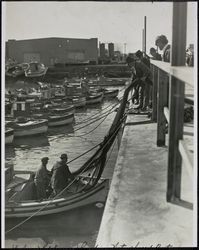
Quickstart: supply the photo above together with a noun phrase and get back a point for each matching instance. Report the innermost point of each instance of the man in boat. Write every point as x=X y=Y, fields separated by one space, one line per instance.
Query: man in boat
x=42 y=179
x=162 y=43
x=61 y=175
x=142 y=74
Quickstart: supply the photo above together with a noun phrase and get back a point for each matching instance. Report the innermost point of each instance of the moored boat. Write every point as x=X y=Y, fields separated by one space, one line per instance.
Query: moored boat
x=35 y=69
x=15 y=71
x=94 y=98
x=79 y=102
x=60 y=120
x=9 y=135
x=108 y=93
x=30 y=127
x=63 y=109
x=21 y=202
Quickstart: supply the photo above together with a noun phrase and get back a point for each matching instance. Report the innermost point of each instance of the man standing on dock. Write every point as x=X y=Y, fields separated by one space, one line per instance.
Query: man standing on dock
x=163 y=44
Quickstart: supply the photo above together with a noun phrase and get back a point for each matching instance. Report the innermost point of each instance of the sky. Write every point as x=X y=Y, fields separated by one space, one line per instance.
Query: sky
x=117 y=22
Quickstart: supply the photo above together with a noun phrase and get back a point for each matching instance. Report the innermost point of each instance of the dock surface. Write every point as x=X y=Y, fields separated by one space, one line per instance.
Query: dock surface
x=137 y=213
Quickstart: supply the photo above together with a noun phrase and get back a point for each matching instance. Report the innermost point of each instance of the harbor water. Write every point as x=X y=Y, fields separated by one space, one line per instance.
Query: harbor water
x=78 y=227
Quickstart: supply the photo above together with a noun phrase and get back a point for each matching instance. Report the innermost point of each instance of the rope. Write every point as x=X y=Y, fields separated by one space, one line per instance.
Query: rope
x=21 y=223
x=109 y=112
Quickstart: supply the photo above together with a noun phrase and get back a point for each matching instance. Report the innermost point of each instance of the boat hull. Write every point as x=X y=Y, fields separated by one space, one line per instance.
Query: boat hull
x=26 y=209
x=111 y=93
x=94 y=99
x=60 y=120
x=36 y=128
x=64 y=109
x=79 y=102
x=9 y=136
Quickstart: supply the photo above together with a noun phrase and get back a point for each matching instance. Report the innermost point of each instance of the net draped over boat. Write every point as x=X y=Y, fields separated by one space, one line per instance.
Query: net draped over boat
x=97 y=161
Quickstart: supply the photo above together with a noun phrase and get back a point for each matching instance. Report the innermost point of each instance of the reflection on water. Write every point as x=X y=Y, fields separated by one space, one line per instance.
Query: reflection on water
x=31 y=142
x=65 y=229
x=81 y=224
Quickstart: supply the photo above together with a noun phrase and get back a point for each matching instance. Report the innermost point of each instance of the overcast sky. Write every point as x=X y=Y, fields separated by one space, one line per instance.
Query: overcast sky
x=117 y=22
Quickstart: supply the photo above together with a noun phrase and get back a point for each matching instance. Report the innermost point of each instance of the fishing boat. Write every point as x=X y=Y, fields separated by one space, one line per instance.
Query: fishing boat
x=60 y=120
x=9 y=135
x=79 y=101
x=35 y=69
x=108 y=93
x=87 y=186
x=26 y=127
x=63 y=109
x=20 y=193
x=94 y=98
x=15 y=71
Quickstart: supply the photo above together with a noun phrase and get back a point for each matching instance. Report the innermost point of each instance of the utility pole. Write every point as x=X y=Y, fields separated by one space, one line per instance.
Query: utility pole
x=145 y=34
x=124 y=51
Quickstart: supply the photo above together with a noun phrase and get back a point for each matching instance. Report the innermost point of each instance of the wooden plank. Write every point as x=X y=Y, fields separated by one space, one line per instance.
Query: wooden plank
x=176 y=119
x=186 y=157
x=162 y=101
x=166 y=113
x=183 y=73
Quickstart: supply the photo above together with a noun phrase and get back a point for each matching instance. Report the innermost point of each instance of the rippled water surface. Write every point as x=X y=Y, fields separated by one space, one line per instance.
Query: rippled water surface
x=78 y=225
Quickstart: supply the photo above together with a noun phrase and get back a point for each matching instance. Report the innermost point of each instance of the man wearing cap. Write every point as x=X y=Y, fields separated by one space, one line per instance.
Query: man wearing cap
x=61 y=175
x=42 y=179
x=162 y=43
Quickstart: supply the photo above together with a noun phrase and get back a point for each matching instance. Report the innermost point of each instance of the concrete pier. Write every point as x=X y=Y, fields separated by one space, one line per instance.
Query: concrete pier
x=137 y=213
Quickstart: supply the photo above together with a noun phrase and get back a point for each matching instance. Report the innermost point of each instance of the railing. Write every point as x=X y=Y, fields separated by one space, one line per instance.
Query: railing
x=172 y=88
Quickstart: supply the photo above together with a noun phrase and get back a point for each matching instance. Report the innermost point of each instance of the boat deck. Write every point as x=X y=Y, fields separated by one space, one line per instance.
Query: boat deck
x=138 y=215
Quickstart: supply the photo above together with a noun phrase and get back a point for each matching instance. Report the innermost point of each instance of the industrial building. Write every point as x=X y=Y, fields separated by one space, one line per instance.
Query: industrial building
x=51 y=51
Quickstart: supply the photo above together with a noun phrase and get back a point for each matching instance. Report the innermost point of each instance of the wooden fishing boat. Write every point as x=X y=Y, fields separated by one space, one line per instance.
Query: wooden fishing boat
x=9 y=135
x=94 y=98
x=63 y=109
x=35 y=69
x=28 y=127
x=15 y=71
x=79 y=101
x=87 y=187
x=20 y=194
x=108 y=93
x=60 y=120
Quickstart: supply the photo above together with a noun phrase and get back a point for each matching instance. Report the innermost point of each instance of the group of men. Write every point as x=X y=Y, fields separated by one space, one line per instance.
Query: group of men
x=141 y=74
x=56 y=180
x=139 y=63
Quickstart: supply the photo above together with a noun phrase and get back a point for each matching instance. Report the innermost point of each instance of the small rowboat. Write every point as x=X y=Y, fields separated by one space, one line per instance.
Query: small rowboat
x=30 y=127
x=63 y=109
x=79 y=102
x=60 y=120
x=94 y=98
x=15 y=71
x=111 y=93
x=9 y=135
x=20 y=191
x=35 y=69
